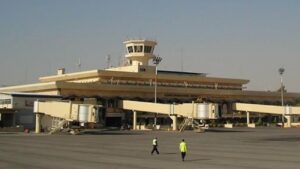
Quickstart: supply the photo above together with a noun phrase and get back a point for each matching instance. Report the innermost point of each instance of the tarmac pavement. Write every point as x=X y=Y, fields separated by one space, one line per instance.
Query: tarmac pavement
x=239 y=148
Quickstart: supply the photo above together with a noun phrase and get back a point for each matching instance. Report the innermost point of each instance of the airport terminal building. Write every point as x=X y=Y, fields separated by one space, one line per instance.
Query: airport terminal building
x=140 y=81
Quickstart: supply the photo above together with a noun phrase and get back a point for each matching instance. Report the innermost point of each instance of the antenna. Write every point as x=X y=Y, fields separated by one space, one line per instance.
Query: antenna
x=120 y=60
x=26 y=74
x=108 y=61
x=181 y=59
x=79 y=64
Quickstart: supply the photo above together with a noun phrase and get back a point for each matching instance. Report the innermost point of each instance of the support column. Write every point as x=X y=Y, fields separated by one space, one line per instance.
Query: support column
x=38 y=122
x=248 y=118
x=249 y=124
x=174 y=119
x=289 y=121
x=288 y=111
x=134 y=120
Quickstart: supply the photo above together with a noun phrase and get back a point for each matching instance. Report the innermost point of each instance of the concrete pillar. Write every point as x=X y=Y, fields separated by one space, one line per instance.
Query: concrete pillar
x=288 y=111
x=38 y=122
x=248 y=117
x=289 y=121
x=174 y=119
x=134 y=120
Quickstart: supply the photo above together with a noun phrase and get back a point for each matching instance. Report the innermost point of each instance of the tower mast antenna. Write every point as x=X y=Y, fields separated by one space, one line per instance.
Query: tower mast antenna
x=181 y=59
x=108 y=61
x=79 y=64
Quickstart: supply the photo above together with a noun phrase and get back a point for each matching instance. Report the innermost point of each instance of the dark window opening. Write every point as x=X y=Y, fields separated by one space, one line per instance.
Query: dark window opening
x=138 y=48
x=130 y=49
x=148 y=49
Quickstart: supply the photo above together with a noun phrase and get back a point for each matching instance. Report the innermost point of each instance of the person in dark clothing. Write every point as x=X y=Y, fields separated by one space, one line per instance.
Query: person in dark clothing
x=155 y=145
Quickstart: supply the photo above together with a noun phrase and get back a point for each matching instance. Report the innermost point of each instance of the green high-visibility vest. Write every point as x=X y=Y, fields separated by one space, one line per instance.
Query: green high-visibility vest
x=182 y=147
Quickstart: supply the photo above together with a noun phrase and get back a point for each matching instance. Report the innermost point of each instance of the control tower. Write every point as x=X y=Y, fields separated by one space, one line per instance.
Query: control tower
x=139 y=52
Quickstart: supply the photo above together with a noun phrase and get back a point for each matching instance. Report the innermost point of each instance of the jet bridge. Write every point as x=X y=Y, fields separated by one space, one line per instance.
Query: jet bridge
x=189 y=111
x=62 y=112
x=286 y=111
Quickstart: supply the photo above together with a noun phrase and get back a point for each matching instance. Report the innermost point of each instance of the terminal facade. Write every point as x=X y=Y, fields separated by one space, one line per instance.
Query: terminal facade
x=16 y=109
x=141 y=81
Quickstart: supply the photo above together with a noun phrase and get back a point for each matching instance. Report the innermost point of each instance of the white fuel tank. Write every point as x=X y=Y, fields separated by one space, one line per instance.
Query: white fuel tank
x=203 y=111
x=83 y=113
x=207 y=111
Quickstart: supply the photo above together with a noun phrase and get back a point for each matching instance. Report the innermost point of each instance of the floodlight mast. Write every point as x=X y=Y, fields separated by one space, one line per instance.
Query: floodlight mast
x=156 y=61
x=281 y=71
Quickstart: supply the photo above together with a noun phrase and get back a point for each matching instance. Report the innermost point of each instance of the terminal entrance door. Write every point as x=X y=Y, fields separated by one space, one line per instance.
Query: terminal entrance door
x=113 y=121
x=7 y=120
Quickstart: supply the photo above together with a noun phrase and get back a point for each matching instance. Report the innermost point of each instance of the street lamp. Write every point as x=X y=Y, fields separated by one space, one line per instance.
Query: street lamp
x=156 y=61
x=281 y=71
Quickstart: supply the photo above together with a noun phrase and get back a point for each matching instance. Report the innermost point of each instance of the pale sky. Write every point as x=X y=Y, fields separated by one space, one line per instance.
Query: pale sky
x=247 y=39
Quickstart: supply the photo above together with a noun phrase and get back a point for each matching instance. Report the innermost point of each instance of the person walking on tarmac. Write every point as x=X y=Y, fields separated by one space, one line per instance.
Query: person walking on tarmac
x=183 y=149
x=155 y=145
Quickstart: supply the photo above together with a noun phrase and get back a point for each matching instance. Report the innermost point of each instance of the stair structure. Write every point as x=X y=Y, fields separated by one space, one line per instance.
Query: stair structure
x=57 y=125
x=194 y=123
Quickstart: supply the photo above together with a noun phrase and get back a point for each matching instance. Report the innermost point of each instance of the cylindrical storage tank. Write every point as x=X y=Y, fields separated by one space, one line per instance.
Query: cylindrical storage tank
x=83 y=113
x=202 y=111
x=215 y=111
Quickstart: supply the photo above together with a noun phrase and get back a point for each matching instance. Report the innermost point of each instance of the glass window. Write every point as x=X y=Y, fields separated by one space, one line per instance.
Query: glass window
x=130 y=49
x=5 y=101
x=138 y=48
x=148 y=49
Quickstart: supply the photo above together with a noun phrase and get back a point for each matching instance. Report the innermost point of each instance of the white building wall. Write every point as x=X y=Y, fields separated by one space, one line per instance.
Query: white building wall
x=4 y=98
x=23 y=109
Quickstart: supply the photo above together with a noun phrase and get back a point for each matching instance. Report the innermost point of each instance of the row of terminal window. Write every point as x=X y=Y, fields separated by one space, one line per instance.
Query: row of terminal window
x=5 y=101
x=139 y=49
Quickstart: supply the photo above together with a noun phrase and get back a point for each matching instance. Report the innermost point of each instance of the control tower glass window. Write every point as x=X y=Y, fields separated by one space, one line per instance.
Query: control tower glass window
x=130 y=49
x=138 y=48
x=148 y=49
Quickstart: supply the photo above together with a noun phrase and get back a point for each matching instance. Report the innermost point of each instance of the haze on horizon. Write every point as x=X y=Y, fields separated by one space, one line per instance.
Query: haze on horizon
x=247 y=39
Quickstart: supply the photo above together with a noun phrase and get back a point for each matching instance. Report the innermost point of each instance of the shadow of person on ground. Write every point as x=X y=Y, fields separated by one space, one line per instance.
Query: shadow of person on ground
x=199 y=159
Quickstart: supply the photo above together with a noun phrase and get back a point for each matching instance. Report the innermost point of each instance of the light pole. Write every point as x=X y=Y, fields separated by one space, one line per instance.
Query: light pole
x=156 y=61
x=281 y=71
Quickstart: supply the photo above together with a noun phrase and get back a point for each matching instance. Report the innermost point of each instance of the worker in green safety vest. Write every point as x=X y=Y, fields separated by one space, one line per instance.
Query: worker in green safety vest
x=183 y=149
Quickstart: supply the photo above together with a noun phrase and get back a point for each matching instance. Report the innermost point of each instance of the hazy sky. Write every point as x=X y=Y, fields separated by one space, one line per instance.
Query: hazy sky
x=248 y=39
